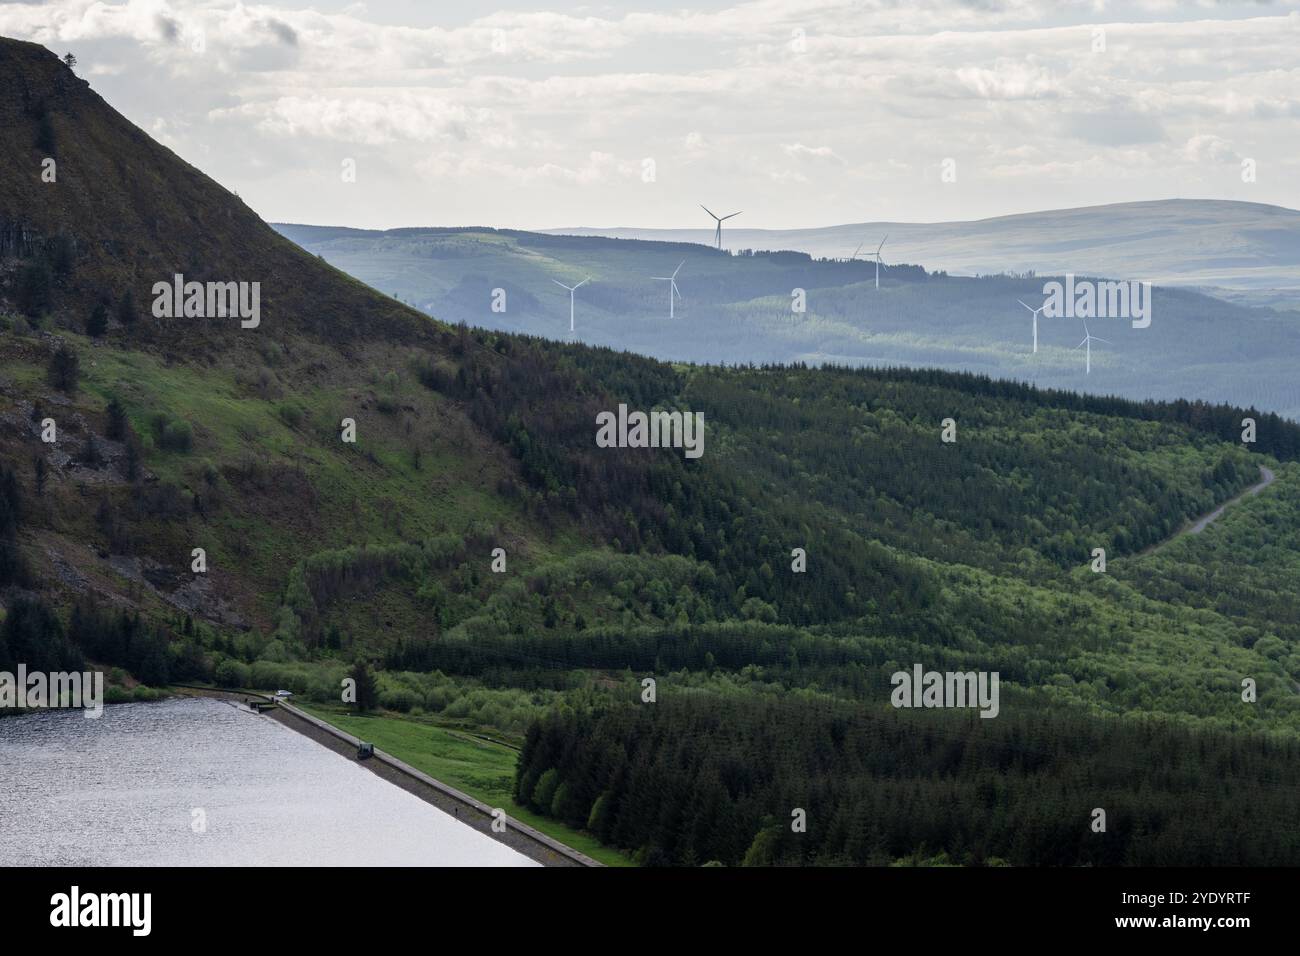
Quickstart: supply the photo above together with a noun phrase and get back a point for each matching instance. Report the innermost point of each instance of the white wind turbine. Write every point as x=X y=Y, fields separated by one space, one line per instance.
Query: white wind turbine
x=717 y=233
x=672 y=288
x=878 y=248
x=572 y=289
x=1034 y=312
x=876 y=254
x=1086 y=345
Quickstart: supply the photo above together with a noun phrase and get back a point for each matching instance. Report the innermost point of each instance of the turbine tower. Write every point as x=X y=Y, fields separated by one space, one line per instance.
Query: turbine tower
x=876 y=255
x=572 y=289
x=672 y=288
x=878 y=248
x=1034 y=312
x=717 y=233
x=1086 y=345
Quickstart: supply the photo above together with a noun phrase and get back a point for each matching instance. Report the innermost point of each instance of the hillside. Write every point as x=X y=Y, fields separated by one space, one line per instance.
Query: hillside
x=326 y=557
x=741 y=309
x=1200 y=242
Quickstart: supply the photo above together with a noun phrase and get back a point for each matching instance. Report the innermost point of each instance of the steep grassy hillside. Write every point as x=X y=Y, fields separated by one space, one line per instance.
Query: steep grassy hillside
x=495 y=571
x=131 y=213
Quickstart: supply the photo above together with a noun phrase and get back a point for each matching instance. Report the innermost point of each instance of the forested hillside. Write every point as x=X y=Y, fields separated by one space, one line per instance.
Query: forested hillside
x=743 y=307
x=494 y=570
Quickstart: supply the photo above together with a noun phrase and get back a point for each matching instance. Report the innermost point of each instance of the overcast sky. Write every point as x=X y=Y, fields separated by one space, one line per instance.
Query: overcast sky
x=799 y=112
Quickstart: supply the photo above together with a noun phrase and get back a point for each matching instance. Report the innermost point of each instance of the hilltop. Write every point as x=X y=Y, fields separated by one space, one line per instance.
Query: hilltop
x=1197 y=242
x=136 y=214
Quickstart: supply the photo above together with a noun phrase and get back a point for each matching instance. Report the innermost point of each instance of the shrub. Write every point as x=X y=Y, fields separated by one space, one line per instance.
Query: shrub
x=64 y=370
x=292 y=415
x=61 y=253
x=232 y=673
x=401 y=700
x=97 y=323
x=172 y=434
x=35 y=283
x=126 y=310
x=117 y=424
x=270 y=676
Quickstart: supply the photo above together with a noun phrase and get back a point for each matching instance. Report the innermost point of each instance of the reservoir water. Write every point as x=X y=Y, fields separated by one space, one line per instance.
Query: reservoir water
x=123 y=790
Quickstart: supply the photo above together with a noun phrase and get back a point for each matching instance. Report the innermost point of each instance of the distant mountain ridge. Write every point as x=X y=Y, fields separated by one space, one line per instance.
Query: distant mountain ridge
x=739 y=308
x=1210 y=242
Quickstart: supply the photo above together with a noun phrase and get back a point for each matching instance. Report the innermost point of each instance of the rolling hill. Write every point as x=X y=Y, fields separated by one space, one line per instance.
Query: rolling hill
x=503 y=573
x=1197 y=242
x=741 y=308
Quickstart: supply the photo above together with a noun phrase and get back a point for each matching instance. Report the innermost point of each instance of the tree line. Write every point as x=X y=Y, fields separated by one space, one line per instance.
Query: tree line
x=698 y=778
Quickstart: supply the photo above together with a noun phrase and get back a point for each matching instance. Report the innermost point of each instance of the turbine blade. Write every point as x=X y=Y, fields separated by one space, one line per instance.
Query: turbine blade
x=1080 y=345
x=1107 y=341
x=857 y=250
x=732 y=216
x=679 y=268
x=559 y=283
x=708 y=210
x=882 y=244
x=583 y=282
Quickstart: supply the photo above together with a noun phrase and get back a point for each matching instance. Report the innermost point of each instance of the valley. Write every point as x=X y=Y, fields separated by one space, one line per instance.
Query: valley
x=378 y=560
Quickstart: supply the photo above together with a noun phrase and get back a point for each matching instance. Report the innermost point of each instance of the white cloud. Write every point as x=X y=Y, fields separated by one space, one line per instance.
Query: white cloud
x=404 y=116
x=800 y=151
x=1208 y=148
x=510 y=103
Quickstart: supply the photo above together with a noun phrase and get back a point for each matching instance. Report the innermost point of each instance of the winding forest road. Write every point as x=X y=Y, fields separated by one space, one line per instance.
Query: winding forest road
x=1200 y=524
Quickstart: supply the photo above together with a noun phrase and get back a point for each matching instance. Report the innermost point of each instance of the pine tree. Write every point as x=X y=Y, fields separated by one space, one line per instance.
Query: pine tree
x=97 y=324
x=117 y=422
x=126 y=310
x=35 y=283
x=64 y=370
x=42 y=473
x=367 y=690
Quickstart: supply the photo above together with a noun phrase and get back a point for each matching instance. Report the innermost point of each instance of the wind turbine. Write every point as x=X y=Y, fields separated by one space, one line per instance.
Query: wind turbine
x=1034 y=312
x=1086 y=345
x=717 y=233
x=572 y=289
x=876 y=254
x=878 y=248
x=672 y=288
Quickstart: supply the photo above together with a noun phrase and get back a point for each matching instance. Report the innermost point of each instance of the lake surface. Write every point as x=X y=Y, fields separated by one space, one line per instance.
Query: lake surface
x=122 y=791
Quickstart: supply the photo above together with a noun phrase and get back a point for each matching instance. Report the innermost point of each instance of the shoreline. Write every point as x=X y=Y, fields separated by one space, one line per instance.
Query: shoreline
x=465 y=809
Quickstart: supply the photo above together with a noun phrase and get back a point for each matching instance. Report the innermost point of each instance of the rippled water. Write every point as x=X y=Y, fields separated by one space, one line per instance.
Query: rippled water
x=121 y=791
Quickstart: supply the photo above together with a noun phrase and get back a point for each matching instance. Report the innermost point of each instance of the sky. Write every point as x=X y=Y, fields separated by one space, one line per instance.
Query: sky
x=535 y=114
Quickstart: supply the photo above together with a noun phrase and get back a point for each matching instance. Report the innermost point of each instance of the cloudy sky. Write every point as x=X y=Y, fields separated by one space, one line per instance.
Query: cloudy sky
x=535 y=114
